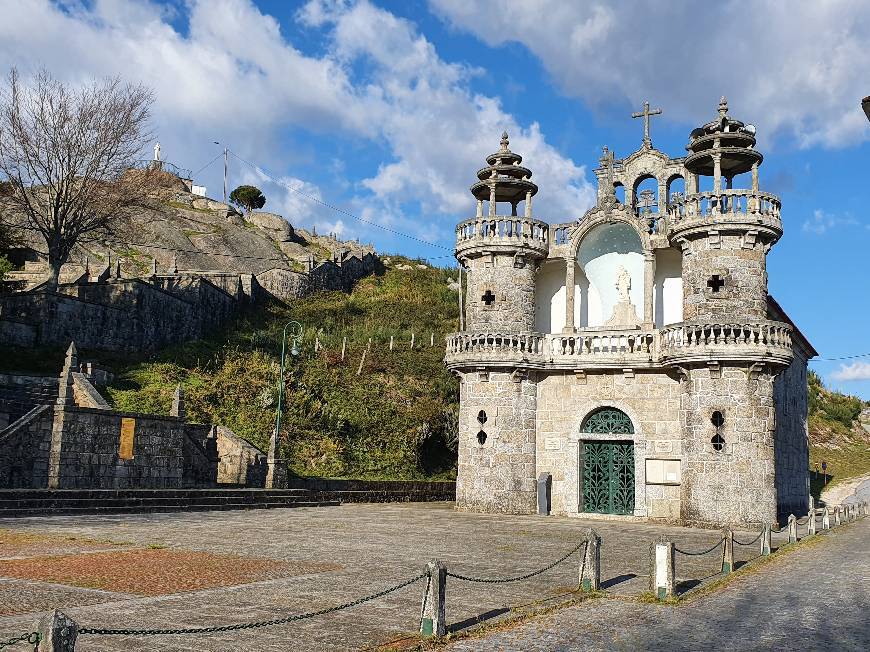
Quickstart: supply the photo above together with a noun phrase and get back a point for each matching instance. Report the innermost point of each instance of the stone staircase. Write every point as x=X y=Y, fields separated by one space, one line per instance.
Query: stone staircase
x=47 y=502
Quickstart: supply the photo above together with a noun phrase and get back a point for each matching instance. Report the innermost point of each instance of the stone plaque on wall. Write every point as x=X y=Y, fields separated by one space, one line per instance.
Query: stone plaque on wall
x=552 y=444
x=664 y=446
x=128 y=432
x=663 y=472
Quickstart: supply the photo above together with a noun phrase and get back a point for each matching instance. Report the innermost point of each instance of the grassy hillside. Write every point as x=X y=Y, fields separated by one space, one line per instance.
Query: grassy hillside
x=837 y=434
x=396 y=419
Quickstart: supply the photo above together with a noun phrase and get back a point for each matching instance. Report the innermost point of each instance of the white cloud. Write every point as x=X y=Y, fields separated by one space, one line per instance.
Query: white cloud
x=236 y=78
x=796 y=70
x=855 y=371
x=822 y=222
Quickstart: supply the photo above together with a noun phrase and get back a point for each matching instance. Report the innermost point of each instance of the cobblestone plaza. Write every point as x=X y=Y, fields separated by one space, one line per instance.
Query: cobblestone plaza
x=217 y=568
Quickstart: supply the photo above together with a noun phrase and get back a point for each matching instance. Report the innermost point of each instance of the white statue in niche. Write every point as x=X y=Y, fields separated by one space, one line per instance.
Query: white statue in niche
x=624 y=312
x=623 y=284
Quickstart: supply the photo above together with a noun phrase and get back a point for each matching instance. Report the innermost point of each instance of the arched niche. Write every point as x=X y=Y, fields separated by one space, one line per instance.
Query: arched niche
x=668 y=287
x=645 y=183
x=600 y=253
x=551 y=296
x=676 y=183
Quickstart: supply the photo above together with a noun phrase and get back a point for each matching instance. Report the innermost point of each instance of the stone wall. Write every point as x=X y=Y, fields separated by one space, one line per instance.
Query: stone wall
x=24 y=450
x=650 y=399
x=513 y=287
x=743 y=270
x=337 y=275
x=85 y=451
x=241 y=463
x=791 y=438
x=734 y=485
x=21 y=393
x=497 y=474
x=200 y=457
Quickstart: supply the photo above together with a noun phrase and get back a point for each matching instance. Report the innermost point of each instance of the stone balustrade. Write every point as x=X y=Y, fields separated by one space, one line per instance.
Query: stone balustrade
x=766 y=341
x=724 y=206
x=693 y=341
x=506 y=232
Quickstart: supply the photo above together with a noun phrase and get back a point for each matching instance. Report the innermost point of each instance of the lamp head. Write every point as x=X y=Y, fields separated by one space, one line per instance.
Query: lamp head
x=865 y=104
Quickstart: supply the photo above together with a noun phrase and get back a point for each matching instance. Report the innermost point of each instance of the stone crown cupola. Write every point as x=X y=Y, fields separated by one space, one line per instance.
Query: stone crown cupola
x=724 y=147
x=504 y=180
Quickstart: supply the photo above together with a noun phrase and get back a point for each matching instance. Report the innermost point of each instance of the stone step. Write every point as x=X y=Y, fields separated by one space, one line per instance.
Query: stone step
x=49 y=503
x=61 y=494
x=177 y=507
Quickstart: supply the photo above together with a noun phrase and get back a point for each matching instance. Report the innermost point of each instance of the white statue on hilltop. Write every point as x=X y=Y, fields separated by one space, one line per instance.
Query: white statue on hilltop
x=157 y=151
x=623 y=284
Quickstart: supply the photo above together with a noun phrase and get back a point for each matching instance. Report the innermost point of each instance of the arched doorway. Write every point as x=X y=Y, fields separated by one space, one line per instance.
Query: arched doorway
x=607 y=462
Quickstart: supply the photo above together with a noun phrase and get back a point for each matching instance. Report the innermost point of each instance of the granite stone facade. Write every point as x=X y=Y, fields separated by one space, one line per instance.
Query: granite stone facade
x=676 y=394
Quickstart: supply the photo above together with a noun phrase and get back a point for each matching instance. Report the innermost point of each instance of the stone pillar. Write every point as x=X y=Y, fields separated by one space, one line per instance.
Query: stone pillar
x=765 y=540
x=826 y=519
x=177 y=409
x=717 y=170
x=836 y=516
x=492 y=202
x=663 y=198
x=433 y=621
x=661 y=572
x=528 y=204
x=590 y=567
x=479 y=208
x=811 y=519
x=66 y=394
x=792 y=528
x=755 y=177
x=649 y=274
x=728 y=551
x=57 y=633
x=569 y=296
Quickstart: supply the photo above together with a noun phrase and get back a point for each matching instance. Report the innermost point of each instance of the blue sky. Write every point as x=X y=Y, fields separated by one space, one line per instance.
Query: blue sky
x=388 y=109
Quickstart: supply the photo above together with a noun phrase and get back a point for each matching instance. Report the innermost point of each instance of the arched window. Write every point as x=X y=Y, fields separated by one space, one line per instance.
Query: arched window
x=608 y=421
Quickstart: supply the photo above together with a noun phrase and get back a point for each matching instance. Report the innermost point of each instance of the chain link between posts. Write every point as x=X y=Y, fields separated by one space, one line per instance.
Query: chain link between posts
x=505 y=580
x=32 y=638
x=704 y=552
x=253 y=625
x=741 y=543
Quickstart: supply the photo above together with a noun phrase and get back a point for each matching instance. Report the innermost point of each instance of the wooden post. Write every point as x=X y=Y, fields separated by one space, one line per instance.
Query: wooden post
x=57 y=633
x=432 y=340
x=391 y=342
x=363 y=358
x=434 y=621
x=590 y=566
x=412 y=340
x=728 y=551
x=661 y=576
x=343 y=347
x=792 y=528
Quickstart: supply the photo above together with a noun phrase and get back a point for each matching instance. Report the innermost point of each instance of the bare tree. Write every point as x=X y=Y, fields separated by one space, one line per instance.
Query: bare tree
x=67 y=158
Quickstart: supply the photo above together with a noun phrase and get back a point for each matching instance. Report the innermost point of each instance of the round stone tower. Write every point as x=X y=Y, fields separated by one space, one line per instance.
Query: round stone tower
x=727 y=351
x=498 y=400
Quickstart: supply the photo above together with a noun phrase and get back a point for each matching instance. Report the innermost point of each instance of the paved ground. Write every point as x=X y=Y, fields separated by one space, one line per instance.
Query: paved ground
x=815 y=598
x=328 y=556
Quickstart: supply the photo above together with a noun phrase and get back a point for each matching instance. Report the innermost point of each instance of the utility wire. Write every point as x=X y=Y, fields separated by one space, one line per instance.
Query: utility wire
x=845 y=357
x=207 y=164
x=337 y=209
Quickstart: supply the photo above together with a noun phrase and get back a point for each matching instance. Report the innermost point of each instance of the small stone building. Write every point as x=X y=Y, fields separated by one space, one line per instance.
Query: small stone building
x=633 y=354
x=59 y=433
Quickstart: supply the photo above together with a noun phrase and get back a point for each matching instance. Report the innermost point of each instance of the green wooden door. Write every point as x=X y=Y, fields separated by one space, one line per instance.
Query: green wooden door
x=608 y=477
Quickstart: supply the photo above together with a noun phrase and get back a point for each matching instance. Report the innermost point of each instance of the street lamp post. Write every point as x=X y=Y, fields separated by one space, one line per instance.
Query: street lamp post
x=276 y=476
x=226 y=167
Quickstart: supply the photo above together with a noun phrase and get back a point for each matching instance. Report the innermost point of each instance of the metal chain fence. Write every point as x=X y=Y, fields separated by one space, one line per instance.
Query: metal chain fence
x=703 y=552
x=741 y=543
x=253 y=625
x=32 y=638
x=505 y=580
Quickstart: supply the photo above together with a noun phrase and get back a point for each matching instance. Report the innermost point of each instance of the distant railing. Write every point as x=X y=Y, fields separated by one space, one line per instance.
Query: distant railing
x=690 y=339
x=615 y=343
x=507 y=230
x=706 y=205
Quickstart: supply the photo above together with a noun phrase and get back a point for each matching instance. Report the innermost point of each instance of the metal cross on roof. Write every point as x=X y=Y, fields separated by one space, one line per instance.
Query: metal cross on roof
x=645 y=114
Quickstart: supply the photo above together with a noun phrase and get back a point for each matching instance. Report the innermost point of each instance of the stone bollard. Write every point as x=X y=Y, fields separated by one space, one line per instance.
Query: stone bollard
x=57 y=633
x=661 y=572
x=826 y=519
x=545 y=490
x=728 y=551
x=836 y=516
x=590 y=567
x=765 y=540
x=433 y=621
x=792 y=528
x=811 y=522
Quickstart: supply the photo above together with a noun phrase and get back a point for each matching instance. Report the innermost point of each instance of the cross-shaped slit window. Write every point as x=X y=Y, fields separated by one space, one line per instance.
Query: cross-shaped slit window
x=488 y=297
x=715 y=283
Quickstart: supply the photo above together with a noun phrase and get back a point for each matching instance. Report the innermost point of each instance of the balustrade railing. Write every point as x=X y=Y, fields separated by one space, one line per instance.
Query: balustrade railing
x=503 y=230
x=642 y=347
x=708 y=205
x=690 y=337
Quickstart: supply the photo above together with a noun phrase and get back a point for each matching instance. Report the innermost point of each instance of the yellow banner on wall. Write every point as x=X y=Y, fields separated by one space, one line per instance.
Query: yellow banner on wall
x=128 y=432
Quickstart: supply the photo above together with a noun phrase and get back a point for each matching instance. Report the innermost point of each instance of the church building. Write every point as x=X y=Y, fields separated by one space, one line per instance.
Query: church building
x=632 y=358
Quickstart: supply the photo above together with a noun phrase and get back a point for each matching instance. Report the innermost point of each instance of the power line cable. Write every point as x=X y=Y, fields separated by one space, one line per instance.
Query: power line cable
x=332 y=207
x=845 y=357
x=207 y=164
